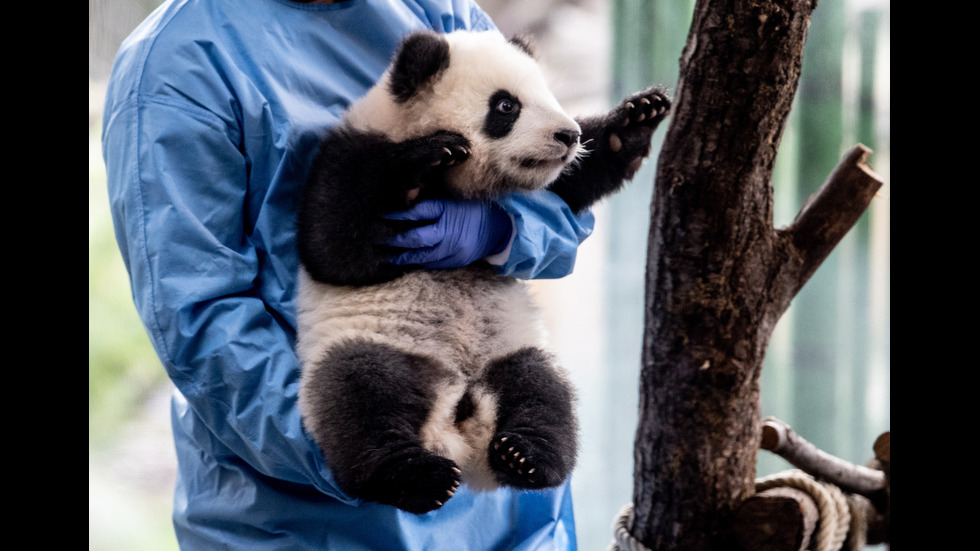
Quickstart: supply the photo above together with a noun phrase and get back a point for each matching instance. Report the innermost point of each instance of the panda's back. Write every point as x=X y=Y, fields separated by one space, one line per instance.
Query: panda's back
x=463 y=317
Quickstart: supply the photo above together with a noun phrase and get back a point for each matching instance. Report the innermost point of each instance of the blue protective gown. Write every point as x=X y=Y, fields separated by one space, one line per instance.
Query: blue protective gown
x=212 y=116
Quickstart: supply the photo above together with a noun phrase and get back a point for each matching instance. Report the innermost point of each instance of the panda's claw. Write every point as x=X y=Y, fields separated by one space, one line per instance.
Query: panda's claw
x=444 y=149
x=626 y=119
x=524 y=456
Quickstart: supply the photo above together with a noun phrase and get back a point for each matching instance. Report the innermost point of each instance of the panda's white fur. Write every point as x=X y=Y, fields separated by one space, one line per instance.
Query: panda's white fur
x=416 y=380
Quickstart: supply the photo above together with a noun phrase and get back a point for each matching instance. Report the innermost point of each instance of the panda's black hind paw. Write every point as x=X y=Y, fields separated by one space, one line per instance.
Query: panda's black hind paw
x=525 y=462
x=417 y=484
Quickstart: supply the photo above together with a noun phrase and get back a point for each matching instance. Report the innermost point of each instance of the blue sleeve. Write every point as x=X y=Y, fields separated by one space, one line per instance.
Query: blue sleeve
x=178 y=199
x=547 y=235
x=462 y=14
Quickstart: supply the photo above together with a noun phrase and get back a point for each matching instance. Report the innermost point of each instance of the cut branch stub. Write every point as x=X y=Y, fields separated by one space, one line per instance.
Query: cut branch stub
x=800 y=248
x=833 y=210
x=778 y=519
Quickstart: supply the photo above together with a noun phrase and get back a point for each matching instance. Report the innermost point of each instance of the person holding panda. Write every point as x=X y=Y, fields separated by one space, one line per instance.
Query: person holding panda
x=213 y=114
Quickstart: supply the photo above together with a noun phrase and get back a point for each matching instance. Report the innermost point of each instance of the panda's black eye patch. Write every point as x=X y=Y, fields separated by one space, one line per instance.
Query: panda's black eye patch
x=504 y=110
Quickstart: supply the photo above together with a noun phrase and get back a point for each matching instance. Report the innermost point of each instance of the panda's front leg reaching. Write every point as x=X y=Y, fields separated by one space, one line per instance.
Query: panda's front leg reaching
x=355 y=179
x=615 y=145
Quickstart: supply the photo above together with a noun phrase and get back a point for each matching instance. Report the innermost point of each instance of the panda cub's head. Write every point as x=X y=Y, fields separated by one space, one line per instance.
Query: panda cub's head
x=486 y=88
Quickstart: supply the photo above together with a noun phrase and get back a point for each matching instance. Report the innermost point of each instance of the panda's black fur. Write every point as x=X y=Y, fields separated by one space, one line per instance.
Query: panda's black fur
x=415 y=381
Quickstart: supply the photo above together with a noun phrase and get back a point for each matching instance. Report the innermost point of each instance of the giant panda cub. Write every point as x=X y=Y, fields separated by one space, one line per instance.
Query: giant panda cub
x=415 y=381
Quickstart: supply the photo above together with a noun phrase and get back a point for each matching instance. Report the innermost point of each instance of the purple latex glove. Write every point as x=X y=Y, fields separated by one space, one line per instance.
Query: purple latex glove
x=459 y=233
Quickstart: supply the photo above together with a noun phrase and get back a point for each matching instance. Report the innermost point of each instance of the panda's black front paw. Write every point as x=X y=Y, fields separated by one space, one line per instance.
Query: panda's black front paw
x=646 y=108
x=525 y=462
x=630 y=126
x=417 y=484
x=445 y=149
x=421 y=162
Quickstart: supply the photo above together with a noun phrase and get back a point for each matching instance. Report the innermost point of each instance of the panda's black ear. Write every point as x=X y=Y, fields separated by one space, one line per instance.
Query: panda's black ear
x=524 y=41
x=420 y=58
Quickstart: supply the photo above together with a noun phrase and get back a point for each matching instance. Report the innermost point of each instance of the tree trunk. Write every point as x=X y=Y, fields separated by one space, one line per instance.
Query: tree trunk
x=719 y=275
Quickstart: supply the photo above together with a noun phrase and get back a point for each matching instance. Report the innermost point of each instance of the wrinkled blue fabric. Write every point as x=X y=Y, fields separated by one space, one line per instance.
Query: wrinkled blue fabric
x=547 y=234
x=212 y=116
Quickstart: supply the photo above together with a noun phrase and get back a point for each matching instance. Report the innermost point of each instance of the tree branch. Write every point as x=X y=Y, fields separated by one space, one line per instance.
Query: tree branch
x=831 y=212
x=780 y=439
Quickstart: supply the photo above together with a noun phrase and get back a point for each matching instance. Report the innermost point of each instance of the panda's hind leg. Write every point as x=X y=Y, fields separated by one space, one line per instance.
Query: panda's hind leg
x=536 y=440
x=365 y=403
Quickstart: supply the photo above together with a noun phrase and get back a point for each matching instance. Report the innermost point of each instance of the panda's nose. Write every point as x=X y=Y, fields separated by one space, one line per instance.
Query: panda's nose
x=567 y=137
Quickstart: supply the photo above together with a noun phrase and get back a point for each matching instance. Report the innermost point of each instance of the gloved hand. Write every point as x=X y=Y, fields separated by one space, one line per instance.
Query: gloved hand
x=460 y=233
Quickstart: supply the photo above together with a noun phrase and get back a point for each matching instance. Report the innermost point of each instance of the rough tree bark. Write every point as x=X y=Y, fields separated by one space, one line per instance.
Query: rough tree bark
x=719 y=275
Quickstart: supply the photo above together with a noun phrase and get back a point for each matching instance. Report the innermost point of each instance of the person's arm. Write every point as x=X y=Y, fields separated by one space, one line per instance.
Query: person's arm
x=547 y=235
x=527 y=235
x=177 y=185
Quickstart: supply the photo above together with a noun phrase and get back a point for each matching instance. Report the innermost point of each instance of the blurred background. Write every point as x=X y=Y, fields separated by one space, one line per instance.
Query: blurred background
x=827 y=368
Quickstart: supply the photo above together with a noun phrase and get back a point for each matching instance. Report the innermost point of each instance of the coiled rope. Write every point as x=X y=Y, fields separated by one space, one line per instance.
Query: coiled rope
x=839 y=515
x=622 y=539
